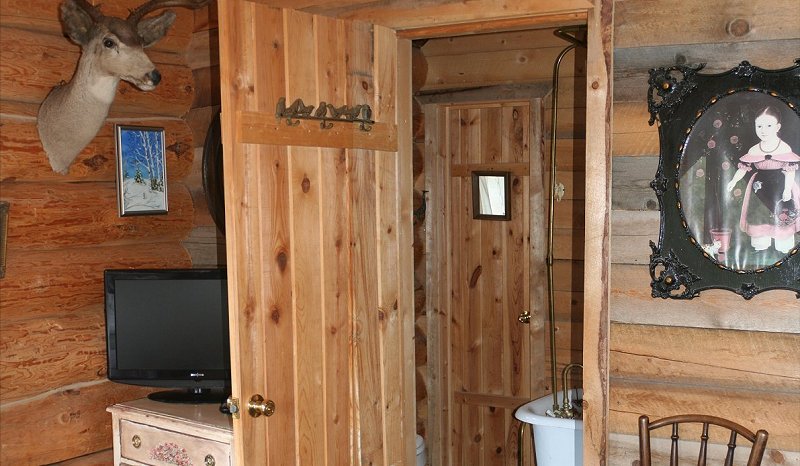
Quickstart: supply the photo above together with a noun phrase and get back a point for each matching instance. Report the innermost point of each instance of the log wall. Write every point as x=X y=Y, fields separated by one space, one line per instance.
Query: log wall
x=716 y=354
x=64 y=231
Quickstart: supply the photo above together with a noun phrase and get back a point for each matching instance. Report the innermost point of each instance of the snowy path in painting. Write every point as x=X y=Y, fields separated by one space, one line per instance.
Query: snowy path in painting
x=139 y=196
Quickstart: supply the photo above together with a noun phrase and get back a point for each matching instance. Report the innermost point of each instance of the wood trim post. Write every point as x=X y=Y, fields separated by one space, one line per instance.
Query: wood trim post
x=599 y=81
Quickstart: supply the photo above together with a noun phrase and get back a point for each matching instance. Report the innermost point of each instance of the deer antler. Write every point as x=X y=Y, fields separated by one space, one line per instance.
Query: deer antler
x=91 y=10
x=139 y=12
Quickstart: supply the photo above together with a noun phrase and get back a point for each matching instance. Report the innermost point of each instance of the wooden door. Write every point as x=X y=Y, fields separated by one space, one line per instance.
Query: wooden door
x=494 y=274
x=318 y=226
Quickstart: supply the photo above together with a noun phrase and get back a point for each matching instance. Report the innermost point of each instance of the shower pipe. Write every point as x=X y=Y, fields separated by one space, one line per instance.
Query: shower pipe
x=562 y=33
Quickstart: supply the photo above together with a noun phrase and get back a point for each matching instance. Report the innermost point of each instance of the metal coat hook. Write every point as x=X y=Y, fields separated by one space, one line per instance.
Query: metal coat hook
x=326 y=114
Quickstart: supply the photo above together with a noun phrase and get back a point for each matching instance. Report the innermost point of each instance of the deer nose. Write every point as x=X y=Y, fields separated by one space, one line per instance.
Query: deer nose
x=155 y=76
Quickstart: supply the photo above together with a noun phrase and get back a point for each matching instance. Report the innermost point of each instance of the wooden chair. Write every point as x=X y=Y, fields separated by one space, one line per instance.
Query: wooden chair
x=759 y=439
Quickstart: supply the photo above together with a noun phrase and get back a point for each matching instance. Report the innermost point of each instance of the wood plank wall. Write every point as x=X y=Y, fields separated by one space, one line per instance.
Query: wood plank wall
x=65 y=230
x=527 y=57
x=716 y=354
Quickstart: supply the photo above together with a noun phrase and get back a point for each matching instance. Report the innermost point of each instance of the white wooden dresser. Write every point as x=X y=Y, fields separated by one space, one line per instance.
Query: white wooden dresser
x=149 y=432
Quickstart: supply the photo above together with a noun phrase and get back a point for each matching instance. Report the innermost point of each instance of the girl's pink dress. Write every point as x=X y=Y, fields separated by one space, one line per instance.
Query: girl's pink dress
x=764 y=213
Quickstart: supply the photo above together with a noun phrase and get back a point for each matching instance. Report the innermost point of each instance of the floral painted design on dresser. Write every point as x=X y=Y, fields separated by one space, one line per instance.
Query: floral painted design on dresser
x=171 y=453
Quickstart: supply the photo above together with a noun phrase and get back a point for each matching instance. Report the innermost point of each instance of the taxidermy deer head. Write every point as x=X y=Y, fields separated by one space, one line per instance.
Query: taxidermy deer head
x=111 y=49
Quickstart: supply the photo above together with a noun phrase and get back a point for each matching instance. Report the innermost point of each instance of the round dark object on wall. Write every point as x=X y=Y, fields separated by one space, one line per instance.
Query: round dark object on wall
x=213 y=173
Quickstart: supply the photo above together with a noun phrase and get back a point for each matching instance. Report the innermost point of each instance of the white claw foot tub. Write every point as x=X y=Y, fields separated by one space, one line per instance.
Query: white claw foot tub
x=557 y=442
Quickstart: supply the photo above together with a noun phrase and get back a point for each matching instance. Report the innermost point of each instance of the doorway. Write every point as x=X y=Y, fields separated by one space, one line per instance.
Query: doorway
x=484 y=104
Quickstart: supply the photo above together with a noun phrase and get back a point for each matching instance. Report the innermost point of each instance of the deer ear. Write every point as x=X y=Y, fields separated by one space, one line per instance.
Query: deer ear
x=77 y=22
x=153 y=29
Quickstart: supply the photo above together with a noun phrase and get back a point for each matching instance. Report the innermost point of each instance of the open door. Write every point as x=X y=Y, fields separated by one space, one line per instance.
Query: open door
x=318 y=225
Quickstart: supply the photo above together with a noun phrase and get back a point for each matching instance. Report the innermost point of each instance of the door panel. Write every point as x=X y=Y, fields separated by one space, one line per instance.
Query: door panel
x=491 y=368
x=318 y=243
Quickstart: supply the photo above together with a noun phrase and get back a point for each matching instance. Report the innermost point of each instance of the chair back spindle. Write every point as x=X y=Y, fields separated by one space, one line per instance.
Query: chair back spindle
x=758 y=440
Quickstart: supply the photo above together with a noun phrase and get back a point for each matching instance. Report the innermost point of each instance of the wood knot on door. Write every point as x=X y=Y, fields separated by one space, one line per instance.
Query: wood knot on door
x=476 y=274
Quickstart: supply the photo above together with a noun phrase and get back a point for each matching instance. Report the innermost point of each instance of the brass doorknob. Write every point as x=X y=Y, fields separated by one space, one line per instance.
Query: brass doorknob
x=258 y=406
x=525 y=317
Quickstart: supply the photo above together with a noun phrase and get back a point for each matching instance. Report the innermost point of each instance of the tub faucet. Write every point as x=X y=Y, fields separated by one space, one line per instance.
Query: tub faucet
x=566 y=410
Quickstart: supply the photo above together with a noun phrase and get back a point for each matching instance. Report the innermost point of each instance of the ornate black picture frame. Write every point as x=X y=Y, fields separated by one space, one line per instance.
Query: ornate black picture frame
x=728 y=180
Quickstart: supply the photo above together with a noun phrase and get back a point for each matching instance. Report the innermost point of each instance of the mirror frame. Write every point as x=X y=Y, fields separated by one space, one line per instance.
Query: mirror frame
x=476 y=198
x=678 y=97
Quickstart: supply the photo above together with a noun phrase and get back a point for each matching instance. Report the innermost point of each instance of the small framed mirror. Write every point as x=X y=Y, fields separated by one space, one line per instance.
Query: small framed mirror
x=491 y=195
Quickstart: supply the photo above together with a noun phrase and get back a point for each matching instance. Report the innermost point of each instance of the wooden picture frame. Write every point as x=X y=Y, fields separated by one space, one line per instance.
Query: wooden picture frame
x=728 y=180
x=141 y=170
x=491 y=195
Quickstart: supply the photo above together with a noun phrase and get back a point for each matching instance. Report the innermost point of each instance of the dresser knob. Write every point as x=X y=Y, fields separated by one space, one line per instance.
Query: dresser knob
x=210 y=460
x=136 y=441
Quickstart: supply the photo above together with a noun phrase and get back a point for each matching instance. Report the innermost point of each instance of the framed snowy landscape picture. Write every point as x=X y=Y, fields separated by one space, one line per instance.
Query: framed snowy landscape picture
x=141 y=170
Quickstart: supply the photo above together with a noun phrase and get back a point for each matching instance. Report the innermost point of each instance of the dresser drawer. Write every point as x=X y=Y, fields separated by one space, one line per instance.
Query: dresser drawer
x=158 y=447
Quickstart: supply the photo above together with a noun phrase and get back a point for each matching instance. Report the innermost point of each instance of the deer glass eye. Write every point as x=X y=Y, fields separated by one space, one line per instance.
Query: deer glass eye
x=108 y=43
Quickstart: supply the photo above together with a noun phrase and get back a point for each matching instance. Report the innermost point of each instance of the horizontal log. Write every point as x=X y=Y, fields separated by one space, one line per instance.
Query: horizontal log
x=723 y=359
x=623 y=449
x=633 y=144
x=506 y=41
x=508 y=92
x=631 y=233
x=571 y=123
x=42 y=16
x=29 y=70
x=633 y=86
x=206 y=17
x=721 y=57
x=203 y=49
x=23 y=159
x=630 y=183
x=631 y=302
x=199 y=119
x=497 y=67
x=44 y=353
x=776 y=412
x=62 y=215
x=74 y=419
x=260 y=128
x=206 y=246
x=633 y=135
x=641 y=23
x=568 y=275
x=568 y=244
x=206 y=81
x=574 y=184
x=569 y=214
x=568 y=305
x=632 y=117
x=570 y=153
x=39 y=283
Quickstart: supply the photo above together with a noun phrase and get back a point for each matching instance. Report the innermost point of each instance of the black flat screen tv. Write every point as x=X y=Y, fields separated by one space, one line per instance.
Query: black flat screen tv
x=169 y=328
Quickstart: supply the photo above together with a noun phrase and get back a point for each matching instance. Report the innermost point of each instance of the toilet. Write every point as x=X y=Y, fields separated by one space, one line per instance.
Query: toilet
x=421 y=457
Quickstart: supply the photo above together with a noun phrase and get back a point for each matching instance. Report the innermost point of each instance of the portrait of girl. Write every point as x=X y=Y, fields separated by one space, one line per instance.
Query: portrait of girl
x=771 y=198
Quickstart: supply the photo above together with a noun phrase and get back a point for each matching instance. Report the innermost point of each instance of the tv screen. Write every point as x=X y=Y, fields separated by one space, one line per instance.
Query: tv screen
x=169 y=328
